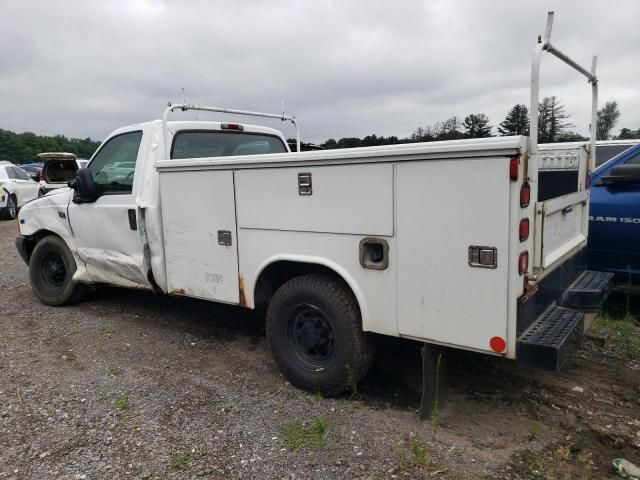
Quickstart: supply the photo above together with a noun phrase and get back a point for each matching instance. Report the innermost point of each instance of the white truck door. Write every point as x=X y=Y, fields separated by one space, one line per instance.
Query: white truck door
x=107 y=233
x=199 y=223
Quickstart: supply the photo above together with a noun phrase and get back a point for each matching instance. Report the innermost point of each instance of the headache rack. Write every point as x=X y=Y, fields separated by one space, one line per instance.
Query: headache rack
x=188 y=106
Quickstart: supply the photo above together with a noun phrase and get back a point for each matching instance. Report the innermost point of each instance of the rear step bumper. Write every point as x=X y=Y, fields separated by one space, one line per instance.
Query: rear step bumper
x=549 y=341
x=589 y=291
x=554 y=335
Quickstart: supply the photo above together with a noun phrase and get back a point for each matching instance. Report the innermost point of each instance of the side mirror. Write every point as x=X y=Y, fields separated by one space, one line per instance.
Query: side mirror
x=84 y=186
x=622 y=175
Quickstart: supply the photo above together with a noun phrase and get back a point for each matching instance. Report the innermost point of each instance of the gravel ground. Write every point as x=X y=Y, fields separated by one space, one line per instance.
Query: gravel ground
x=131 y=385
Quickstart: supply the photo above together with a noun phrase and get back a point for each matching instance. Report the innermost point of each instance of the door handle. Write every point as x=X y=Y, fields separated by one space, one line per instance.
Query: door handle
x=133 y=224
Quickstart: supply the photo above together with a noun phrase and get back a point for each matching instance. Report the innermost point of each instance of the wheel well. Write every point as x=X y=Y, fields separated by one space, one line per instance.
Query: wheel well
x=32 y=240
x=277 y=273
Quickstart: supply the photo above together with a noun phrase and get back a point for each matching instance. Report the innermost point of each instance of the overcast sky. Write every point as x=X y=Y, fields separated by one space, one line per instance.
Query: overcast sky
x=343 y=68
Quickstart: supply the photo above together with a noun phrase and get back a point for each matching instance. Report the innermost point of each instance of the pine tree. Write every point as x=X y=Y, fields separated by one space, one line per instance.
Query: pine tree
x=476 y=125
x=516 y=122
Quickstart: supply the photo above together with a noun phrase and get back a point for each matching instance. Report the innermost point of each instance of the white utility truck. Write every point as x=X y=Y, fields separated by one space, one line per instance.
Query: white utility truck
x=455 y=243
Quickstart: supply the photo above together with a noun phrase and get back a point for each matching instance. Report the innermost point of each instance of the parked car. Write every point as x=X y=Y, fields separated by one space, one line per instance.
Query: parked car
x=16 y=189
x=614 y=218
x=33 y=170
x=58 y=170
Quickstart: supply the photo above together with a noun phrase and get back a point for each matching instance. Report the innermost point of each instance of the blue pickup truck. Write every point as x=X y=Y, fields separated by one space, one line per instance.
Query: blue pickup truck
x=614 y=227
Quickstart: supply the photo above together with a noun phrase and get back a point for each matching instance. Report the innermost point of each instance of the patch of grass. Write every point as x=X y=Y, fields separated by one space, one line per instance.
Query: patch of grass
x=116 y=372
x=415 y=456
x=299 y=435
x=535 y=429
x=180 y=461
x=352 y=383
x=419 y=456
x=121 y=403
x=623 y=334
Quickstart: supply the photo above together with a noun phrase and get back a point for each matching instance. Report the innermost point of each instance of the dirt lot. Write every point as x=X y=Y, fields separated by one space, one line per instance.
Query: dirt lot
x=132 y=385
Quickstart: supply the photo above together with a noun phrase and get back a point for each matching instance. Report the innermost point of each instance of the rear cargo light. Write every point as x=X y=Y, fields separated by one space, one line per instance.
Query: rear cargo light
x=231 y=126
x=525 y=195
x=497 y=344
x=513 y=168
x=523 y=263
x=524 y=229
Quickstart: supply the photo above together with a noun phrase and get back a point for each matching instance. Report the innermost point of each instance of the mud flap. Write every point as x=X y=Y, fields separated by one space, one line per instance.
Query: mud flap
x=433 y=381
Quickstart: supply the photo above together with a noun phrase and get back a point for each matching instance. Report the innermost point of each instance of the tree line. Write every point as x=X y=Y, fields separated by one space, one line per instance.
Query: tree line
x=553 y=126
x=24 y=147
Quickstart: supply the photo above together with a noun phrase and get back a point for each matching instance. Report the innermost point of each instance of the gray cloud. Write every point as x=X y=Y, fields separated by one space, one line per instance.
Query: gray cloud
x=84 y=68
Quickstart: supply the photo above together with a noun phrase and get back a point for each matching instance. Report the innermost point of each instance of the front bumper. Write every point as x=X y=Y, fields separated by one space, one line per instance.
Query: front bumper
x=22 y=245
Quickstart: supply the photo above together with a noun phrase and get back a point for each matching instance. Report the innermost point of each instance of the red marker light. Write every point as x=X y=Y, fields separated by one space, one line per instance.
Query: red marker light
x=497 y=344
x=513 y=168
x=231 y=126
x=525 y=195
x=524 y=229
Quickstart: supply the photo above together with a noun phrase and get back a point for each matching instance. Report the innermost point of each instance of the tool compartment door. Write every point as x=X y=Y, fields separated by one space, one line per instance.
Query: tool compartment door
x=443 y=208
x=199 y=223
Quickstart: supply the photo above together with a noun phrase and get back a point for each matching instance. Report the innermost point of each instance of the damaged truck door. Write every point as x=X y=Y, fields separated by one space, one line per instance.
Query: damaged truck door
x=108 y=239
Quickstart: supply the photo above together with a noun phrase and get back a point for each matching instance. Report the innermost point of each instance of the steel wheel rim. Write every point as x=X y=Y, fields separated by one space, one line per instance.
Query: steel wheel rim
x=310 y=337
x=53 y=270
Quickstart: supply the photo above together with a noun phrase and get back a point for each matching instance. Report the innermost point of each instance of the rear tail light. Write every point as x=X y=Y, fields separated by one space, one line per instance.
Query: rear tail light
x=231 y=126
x=513 y=168
x=524 y=229
x=525 y=195
x=523 y=263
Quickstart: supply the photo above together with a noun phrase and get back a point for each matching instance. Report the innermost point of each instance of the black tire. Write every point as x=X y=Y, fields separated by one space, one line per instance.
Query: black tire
x=51 y=269
x=10 y=212
x=315 y=331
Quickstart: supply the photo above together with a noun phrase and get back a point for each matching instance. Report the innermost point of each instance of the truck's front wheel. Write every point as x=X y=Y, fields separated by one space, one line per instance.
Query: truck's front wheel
x=315 y=332
x=51 y=269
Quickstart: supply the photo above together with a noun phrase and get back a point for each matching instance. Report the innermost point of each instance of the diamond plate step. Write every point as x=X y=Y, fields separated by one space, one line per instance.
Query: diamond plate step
x=549 y=341
x=589 y=291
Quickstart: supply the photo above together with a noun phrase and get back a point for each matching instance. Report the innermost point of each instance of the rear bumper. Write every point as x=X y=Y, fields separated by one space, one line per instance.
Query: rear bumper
x=550 y=322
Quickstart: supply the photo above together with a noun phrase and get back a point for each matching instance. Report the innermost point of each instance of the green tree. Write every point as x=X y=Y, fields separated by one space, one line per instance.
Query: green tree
x=551 y=120
x=628 y=134
x=24 y=147
x=476 y=125
x=516 y=122
x=607 y=118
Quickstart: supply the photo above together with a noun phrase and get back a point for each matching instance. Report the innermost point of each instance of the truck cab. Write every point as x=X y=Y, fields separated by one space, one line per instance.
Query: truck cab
x=614 y=218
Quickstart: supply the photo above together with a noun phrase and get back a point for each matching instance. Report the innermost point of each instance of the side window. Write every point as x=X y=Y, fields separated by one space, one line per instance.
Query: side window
x=114 y=165
x=11 y=172
x=20 y=174
x=635 y=160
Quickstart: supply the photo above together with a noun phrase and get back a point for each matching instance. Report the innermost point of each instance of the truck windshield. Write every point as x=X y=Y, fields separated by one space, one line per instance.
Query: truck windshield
x=213 y=143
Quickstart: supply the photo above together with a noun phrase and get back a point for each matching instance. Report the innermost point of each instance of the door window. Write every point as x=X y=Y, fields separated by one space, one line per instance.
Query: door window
x=114 y=165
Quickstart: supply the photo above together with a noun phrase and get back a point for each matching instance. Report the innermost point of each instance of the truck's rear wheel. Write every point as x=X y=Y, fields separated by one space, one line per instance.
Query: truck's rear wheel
x=51 y=269
x=315 y=331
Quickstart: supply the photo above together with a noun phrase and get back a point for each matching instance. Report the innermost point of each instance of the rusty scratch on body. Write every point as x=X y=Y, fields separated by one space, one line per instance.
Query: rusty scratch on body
x=243 y=298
